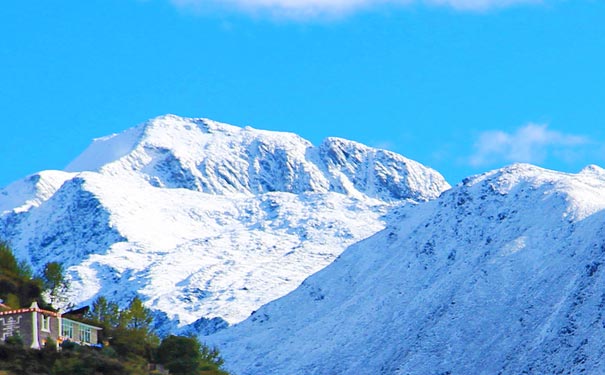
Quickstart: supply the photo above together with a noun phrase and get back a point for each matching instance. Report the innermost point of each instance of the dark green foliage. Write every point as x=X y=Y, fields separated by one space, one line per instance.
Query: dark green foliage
x=104 y=313
x=180 y=355
x=68 y=345
x=17 y=288
x=24 y=270
x=15 y=341
x=211 y=356
x=110 y=352
x=72 y=359
x=136 y=316
x=10 y=299
x=50 y=345
x=185 y=355
x=52 y=275
x=8 y=262
x=86 y=361
x=9 y=265
x=132 y=344
x=128 y=331
x=53 y=280
x=82 y=361
x=20 y=361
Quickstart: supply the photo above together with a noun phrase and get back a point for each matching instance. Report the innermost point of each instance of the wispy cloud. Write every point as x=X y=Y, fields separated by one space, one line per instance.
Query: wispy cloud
x=532 y=143
x=312 y=8
x=478 y=5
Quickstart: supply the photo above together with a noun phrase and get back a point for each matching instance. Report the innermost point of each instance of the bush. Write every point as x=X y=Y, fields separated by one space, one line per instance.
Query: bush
x=17 y=288
x=87 y=361
x=185 y=355
x=50 y=345
x=14 y=340
x=69 y=345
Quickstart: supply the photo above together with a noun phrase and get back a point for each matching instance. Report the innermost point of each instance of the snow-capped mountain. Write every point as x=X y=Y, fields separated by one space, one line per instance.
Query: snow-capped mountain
x=503 y=274
x=205 y=221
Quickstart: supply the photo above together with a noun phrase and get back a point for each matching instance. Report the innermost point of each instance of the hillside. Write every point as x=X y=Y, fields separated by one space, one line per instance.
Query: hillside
x=500 y=275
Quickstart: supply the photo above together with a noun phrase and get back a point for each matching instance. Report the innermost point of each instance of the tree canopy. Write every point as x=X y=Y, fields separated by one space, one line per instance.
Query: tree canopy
x=130 y=341
x=17 y=287
x=185 y=355
x=54 y=281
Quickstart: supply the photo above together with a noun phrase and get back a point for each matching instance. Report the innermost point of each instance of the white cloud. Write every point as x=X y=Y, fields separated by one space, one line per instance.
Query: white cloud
x=532 y=143
x=311 y=8
x=477 y=5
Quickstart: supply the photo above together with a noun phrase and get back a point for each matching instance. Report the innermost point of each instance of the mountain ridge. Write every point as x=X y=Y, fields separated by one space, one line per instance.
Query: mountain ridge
x=212 y=167
x=499 y=275
x=204 y=220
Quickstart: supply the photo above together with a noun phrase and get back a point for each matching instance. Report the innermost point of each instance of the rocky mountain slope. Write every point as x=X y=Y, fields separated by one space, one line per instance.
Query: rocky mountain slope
x=205 y=221
x=503 y=274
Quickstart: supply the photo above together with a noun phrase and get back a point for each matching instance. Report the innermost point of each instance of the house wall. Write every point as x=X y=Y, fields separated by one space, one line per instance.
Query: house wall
x=94 y=336
x=78 y=327
x=17 y=324
x=53 y=329
x=21 y=323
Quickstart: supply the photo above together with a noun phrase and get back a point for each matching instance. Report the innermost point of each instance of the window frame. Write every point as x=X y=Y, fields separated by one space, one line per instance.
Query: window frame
x=67 y=329
x=45 y=323
x=85 y=334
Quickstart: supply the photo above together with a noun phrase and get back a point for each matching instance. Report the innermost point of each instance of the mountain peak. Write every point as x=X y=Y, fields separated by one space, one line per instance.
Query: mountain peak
x=212 y=157
x=179 y=128
x=593 y=170
x=211 y=220
x=523 y=172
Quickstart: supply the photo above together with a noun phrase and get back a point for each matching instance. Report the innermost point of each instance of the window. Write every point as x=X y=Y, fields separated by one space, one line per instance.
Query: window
x=45 y=323
x=85 y=334
x=68 y=329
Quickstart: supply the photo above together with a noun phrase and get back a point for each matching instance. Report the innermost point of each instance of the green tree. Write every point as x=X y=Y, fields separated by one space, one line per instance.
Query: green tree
x=98 y=310
x=12 y=300
x=180 y=355
x=185 y=356
x=137 y=316
x=54 y=282
x=210 y=358
x=24 y=270
x=133 y=334
x=8 y=262
x=104 y=312
x=17 y=288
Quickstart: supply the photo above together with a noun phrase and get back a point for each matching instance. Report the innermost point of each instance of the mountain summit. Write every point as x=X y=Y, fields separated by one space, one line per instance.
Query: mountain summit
x=205 y=221
x=215 y=158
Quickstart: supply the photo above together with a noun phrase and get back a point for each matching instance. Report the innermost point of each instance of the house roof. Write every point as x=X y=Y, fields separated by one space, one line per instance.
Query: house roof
x=78 y=312
x=29 y=309
x=5 y=307
x=34 y=308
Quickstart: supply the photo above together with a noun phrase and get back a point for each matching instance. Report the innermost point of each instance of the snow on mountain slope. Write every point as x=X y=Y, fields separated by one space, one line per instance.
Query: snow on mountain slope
x=32 y=191
x=205 y=220
x=216 y=158
x=503 y=274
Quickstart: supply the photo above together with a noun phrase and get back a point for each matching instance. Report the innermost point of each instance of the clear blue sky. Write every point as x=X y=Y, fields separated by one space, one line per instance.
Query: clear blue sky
x=458 y=88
